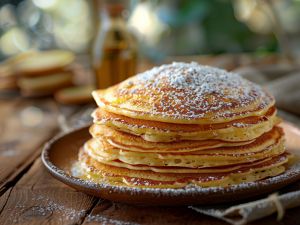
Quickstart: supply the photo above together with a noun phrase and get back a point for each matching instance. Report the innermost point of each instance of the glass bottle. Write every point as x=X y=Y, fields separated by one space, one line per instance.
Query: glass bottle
x=115 y=47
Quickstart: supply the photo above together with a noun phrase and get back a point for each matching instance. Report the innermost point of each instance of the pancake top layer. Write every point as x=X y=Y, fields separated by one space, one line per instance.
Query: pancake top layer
x=185 y=93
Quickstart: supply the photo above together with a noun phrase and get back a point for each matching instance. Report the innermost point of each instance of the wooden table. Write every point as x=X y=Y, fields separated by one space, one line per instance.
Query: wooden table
x=29 y=195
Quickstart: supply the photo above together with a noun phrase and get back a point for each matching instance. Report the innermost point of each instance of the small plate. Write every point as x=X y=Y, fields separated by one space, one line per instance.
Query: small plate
x=60 y=153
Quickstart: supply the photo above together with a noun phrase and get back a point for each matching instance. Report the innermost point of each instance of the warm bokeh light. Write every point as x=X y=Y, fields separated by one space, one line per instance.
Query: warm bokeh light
x=162 y=27
x=14 y=41
x=146 y=22
x=72 y=24
x=45 y=4
x=256 y=14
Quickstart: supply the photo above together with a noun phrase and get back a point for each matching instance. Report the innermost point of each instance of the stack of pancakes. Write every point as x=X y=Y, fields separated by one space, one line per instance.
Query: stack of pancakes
x=183 y=124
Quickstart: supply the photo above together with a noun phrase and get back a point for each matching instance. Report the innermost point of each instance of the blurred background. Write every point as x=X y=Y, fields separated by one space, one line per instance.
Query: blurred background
x=166 y=27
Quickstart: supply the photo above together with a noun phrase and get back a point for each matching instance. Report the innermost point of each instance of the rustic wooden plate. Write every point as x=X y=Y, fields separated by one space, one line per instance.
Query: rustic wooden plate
x=60 y=154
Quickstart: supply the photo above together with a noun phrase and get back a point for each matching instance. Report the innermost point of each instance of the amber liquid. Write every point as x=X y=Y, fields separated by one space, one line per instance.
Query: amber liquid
x=117 y=64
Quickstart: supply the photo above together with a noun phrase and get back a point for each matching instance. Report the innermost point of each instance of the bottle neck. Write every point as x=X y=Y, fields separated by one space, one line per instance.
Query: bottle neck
x=113 y=10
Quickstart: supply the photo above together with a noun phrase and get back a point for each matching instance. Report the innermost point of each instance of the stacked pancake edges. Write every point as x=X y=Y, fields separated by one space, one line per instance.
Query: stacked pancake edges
x=180 y=125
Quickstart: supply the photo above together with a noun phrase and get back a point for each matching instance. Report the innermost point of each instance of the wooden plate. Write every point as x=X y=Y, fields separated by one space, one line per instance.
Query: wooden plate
x=61 y=152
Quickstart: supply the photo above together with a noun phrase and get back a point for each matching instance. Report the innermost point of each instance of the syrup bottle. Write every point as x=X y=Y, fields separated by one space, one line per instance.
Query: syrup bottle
x=115 y=47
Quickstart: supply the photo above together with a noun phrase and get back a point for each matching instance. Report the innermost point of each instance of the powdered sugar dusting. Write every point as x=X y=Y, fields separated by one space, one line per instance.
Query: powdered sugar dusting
x=191 y=91
x=104 y=220
x=46 y=208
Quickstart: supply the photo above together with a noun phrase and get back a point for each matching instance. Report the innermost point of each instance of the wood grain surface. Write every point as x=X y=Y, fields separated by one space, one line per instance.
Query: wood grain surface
x=24 y=126
x=39 y=199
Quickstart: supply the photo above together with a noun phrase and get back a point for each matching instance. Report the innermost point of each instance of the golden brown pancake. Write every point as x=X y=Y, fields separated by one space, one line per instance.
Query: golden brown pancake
x=135 y=143
x=44 y=63
x=99 y=172
x=185 y=93
x=182 y=125
x=235 y=131
x=105 y=153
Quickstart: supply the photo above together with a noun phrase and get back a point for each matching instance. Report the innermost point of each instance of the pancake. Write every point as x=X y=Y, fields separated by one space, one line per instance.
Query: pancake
x=44 y=63
x=185 y=93
x=74 y=95
x=99 y=172
x=45 y=85
x=235 y=131
x=135 y=143
x=105 y=153
x=176 y=169
x=184 y=124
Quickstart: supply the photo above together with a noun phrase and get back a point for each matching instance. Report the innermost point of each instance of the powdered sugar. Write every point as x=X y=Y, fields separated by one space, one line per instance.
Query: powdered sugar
x=106 y=220
x=191 y=91
x=240 y=125
x=46 y=208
